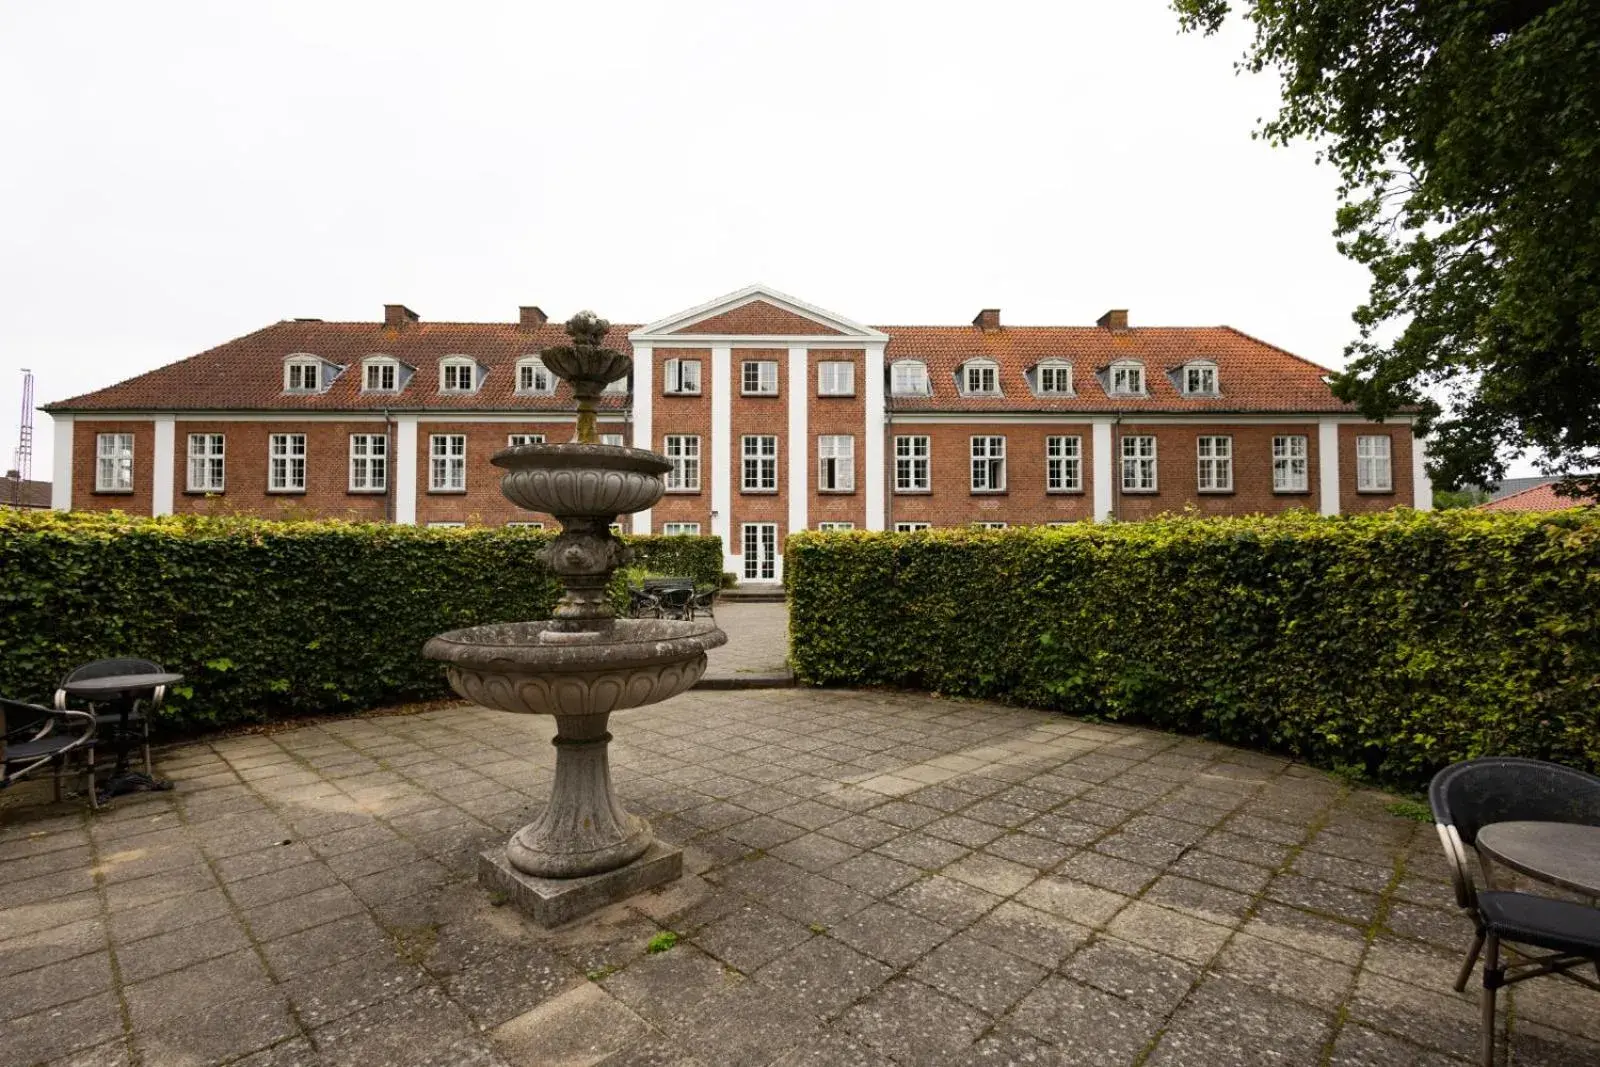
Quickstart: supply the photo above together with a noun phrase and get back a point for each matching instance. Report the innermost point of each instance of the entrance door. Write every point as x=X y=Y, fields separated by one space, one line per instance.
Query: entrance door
x=760 y=551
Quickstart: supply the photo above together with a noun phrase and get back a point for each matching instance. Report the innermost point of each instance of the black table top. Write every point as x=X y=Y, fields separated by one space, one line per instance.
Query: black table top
x=113 y=685
x=1561 y=853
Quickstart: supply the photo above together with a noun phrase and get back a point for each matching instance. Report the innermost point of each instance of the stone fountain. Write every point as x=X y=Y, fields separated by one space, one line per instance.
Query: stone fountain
x=584 y=850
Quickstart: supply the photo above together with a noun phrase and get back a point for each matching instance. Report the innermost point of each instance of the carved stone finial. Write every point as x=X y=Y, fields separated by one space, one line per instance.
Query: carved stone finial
x=587 y=329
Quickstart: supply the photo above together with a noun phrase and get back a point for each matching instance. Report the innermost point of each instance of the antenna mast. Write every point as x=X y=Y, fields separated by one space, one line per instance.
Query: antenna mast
x=24 y=453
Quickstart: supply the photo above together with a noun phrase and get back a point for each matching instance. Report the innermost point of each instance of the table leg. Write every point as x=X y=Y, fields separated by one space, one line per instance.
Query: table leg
x=122 y=779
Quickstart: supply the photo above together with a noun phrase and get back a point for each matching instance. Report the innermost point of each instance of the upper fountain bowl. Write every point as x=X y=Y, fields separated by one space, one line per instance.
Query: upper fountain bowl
x=578 y=480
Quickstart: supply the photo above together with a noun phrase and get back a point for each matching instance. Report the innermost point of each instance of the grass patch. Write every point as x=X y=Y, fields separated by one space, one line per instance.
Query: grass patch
x=1414 y=810
x=662 y=942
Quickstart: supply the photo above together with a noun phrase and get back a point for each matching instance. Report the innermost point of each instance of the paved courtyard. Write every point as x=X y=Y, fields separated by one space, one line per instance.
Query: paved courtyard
x=757 y=651
x=872 y=878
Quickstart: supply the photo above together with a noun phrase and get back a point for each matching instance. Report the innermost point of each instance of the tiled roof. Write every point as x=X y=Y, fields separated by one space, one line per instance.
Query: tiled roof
x=1535 y=498
x=14 y=492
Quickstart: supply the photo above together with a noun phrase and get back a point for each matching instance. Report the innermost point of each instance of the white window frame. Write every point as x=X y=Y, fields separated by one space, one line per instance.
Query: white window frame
x=909 y=527
x=1374 y=463
x=1213 y=463
x=464 y=371
x=988 y=463
x=618 y=387
x=836 y=463
x=522 y=525
x=208 y=463
x=447 y=463
x=286 y=463
x=681 y=377
x=759 y=455
x=1191 y=370
x=298 y=367
x=1059 y=371
x=517 y=440
x=909 y=377
x=384 y=366
x=1291 y=463
x=446 y=525
x=369 y=463
x=1139 y=459
x=836 y=378
x=913 y=463
x=989 y=524
x=680 y=529
x=683 y=449
x=835 y=527
x=759 y=566
x=976 y=370
x=758 y=377
x=1127 y=378
x=534 y=378
x=616 y=440
x=1063 y=463
x=113 y=463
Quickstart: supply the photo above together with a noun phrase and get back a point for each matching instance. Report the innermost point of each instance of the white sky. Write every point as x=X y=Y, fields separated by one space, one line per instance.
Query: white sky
x=179 y=174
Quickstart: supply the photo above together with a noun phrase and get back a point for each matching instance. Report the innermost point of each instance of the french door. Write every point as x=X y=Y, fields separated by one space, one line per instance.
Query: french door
x=760 y=551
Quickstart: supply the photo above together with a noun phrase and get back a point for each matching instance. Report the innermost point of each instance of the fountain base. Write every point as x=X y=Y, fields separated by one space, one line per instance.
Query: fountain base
x=555 y=901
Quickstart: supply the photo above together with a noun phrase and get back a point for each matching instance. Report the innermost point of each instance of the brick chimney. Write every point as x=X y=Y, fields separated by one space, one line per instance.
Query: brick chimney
x=1115 y=319
x=988 y=319
x=531 y=318
x=397 y=315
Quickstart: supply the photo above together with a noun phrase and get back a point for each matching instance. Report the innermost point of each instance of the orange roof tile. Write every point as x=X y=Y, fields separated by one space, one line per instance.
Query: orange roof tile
x=1535 y=498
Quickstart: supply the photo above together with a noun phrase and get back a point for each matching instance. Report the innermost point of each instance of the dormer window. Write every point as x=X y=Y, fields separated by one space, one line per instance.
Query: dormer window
x=380 y=374
x=1199 y=379
x=458 y=374
x=534 y=378
x=1127 y=379
x=1053 y=377
x=980 y=377
x=909 y=377
x=620 y=386
x=302 y=374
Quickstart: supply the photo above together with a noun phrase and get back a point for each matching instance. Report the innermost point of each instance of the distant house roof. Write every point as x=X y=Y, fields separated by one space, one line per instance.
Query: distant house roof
x=1516 y=485
x=15 y=493
x=1540 y=497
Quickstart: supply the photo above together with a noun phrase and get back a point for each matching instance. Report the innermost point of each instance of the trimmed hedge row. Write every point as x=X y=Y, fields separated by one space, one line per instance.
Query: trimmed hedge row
x=1390 y=645
x=267 y=619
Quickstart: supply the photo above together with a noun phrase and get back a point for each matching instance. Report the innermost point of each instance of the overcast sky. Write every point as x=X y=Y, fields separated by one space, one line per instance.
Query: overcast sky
x=179 y=174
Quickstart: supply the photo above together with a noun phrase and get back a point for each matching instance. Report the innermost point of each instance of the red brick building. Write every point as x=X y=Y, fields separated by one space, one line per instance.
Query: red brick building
x=779 y=415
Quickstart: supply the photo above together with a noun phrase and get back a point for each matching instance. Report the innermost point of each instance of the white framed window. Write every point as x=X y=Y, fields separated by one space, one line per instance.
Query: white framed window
x=286 y=463
x=760 y=551
x=458 y=374
x=835 y=527
x=613 y=439
x=760 y=452
x=909 y=377
x=1139 y=464
x=447 y=466
x=1063 y=464
x=515 y=439
x=989 y=525
x=446 y=525
x=836 y=463
x=1200 y=379
x=1127 y=378
x=1214 y=459
x=759 y=377
x=524 y=525
x=684 y=452
x=369 y=462
x=911 y=465
x=207 y=460
x=380 y=374
x=988 y=464
x=836 y=379
x=1055 y=378
x=1291 y=463
x=909 y=527
x=534 y=378
x=302 y=376
x=1373 y=470
x=113 y=463
x=681 y=377
x=618 y=387
x=980 y=377
x=680 y=529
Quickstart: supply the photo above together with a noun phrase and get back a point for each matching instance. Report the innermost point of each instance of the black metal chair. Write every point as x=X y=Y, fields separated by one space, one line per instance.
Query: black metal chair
x=32 y=737
x=1470 y=795
x=677 y=602
x=109 y=721
x=704 y=602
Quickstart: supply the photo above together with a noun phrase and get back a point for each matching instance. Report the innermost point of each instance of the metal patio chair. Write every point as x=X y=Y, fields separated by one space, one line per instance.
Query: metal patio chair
x=1470 y=795
x=32 y=737
x=109 y=721
x=704 y=603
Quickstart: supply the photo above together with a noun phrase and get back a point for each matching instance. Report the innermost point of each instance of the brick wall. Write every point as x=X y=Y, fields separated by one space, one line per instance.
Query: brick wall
x=1351 y=500
x=84 y=496
x=482 y=503
x=678 y=414
x=952 y=502
x=1177 y=477
x=245 y=492
x=837 y=415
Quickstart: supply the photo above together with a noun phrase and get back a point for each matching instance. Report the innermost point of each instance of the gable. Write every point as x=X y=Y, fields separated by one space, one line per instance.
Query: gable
x=758 y=317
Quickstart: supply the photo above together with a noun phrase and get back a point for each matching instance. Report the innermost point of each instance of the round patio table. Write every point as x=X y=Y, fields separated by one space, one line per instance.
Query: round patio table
x=122 y=692
x=1561 y=853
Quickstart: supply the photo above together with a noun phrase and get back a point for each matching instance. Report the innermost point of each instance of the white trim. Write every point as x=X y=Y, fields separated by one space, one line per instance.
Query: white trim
x=749 y=294
x=162 y=466
x=644 y=399
x=403 y=469
x=1328 y=465
x=1421 y=484
x=720 y=456
x=61 y=464
x=1101 y=435
x=872 y=438
x=799 y=439
x=1220 y=418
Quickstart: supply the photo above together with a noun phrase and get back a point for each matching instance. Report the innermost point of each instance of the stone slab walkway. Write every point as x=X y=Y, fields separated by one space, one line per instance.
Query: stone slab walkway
x=874 y=879
x=757 y=652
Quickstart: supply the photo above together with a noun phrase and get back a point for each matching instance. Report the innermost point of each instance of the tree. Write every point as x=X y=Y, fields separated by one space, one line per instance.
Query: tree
x=1466 y=134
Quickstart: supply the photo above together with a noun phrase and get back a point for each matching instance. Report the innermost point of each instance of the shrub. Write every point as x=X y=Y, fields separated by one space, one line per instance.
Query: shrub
x=269 y=618
x=1392 y=644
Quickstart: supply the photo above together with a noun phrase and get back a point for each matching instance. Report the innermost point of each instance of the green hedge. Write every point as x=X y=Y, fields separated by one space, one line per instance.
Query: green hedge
x=267 y=619
x=1389 y=644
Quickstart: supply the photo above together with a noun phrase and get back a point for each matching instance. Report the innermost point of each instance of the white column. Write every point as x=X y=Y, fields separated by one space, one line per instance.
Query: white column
x=1421 y=484
x=161 y=490
x=1104 y=463
x=799 y=439
x=404 y=476
x=876 y=501
x=1328 y=465
x=644 y=407
x=722 y=450
x=61 y=464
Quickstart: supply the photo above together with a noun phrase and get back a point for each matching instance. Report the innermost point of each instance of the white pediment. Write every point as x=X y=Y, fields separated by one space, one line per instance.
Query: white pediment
x=756 y=311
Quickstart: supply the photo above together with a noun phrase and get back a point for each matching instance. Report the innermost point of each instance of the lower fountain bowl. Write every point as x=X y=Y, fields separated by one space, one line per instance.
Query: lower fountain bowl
x=534 y=668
